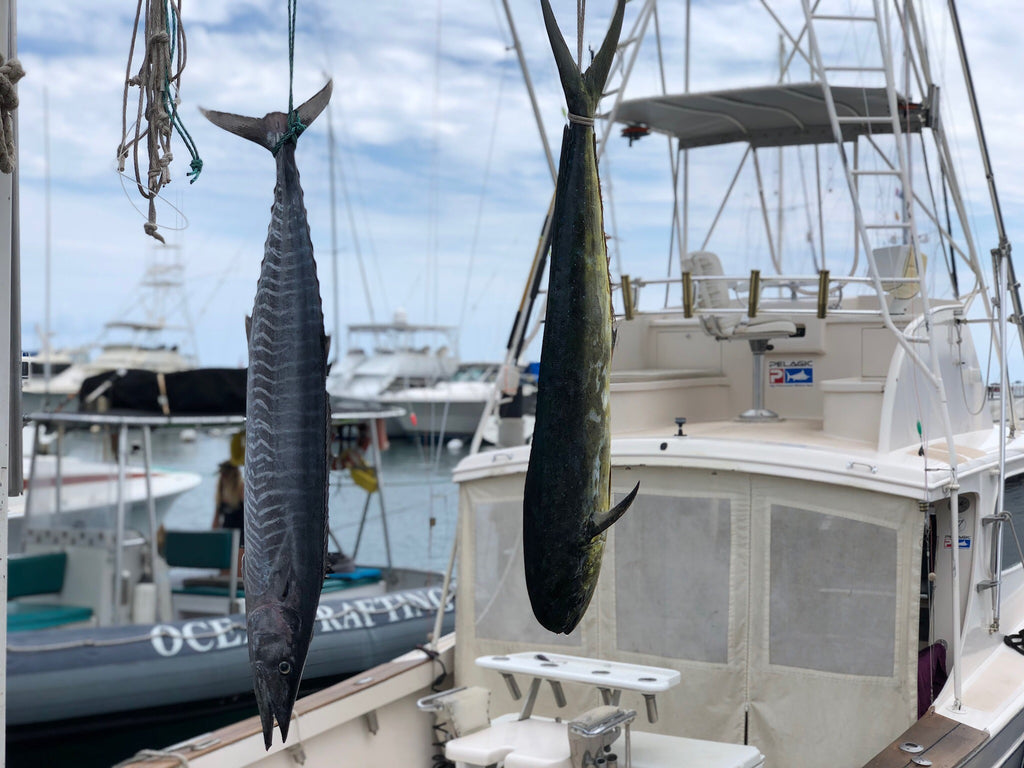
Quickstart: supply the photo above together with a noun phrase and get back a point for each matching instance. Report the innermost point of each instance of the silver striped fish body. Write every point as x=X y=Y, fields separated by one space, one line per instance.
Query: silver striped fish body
x=567 y=491
x=286 y=438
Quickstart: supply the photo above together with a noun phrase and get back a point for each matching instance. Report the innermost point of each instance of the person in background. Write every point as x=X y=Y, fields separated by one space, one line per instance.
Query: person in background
x=228 y=498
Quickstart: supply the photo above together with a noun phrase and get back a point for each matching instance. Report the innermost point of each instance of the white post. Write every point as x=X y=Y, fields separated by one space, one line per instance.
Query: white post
x=8 y=253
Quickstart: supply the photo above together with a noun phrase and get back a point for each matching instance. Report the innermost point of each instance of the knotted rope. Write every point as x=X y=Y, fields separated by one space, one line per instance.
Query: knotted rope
x=295 y=126
x=158 y=103
x=10 y=73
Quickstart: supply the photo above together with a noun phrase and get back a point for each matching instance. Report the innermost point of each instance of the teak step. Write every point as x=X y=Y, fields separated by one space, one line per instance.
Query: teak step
x=945 y=743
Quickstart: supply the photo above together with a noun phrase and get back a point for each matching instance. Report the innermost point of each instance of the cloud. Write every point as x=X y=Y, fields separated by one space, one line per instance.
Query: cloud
x=424 y=112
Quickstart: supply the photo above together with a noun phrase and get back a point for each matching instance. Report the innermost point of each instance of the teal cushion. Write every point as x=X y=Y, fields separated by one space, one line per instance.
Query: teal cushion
x=335 y=582
x=40 y=574
x=25 y=616
x=198 y=549
x=359 y=575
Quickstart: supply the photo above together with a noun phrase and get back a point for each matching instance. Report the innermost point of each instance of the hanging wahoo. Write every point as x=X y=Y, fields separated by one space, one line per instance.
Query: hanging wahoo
x=286 y=430
x=568 y=482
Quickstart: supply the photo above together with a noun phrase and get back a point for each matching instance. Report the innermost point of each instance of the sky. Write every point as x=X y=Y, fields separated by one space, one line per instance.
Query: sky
x=441 y=178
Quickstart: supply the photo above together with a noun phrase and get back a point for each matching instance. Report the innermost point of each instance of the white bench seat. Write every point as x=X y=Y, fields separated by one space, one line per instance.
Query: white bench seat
x=543 y=743
x=531 y=743
x=655 y=750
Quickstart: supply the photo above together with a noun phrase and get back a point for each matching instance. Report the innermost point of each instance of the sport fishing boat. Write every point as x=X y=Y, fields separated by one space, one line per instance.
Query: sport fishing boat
x=137 y=340
x=823 y=564
x=395 y=355
x=454 y=407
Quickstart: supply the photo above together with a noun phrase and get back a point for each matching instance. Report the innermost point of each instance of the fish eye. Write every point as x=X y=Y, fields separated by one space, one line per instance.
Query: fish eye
x=284 y=668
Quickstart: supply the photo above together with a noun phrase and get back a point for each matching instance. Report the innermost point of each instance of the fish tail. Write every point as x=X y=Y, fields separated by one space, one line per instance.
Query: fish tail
x=583 y=91
x=267 y=131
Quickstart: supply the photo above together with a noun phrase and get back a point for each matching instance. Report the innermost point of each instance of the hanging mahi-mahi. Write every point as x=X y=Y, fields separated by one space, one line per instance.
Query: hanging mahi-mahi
x=568 y=483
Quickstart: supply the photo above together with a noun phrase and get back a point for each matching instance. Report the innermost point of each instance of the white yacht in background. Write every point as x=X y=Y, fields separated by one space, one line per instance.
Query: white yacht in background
x=395 y=355
x=35 y=362
x=823 y=564
x=144 y=339
x=452 y=408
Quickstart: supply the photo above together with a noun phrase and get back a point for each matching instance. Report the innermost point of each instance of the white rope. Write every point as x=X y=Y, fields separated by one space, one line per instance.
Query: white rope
x=587 y=122
x=213 y=634
x=90 y=643
x=10 y=73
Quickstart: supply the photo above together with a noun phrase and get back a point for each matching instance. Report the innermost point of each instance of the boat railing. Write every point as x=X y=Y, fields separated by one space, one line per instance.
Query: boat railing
x=819 y=295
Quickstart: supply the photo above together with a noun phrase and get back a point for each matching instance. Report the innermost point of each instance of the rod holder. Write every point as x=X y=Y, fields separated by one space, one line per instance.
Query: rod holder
x=822 y=293
x=556 y=689
x=627 y=296
x=687 y=294
x=754 y=298
x=513 y=686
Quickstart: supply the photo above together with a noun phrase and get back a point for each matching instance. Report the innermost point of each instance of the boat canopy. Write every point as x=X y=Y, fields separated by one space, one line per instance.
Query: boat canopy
x=770 y=116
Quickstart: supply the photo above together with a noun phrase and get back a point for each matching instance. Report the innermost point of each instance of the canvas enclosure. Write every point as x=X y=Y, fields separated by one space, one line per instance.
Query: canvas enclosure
x=790 y=608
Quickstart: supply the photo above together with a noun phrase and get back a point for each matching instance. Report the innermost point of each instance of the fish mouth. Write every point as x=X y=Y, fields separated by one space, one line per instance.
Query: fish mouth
x=273 y=705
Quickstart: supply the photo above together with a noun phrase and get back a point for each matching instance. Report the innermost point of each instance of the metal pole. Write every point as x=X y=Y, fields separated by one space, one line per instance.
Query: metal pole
x=46 y=250
x=334 y=237
x=58 y=480
x=362 y=523
x=958 y=35
x=9 y=299
x=122 y=452
x=529 y=90
x=31 y=493
x=445 y=587
x=147 y=457
x=375 y=426
x=1004 y=386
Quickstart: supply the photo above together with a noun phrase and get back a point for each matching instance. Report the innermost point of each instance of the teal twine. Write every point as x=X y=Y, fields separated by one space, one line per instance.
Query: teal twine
x=170 y=106
x=295 y=126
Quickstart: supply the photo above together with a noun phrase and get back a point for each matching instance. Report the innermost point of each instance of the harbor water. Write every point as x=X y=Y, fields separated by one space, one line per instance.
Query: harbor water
x=420 y=502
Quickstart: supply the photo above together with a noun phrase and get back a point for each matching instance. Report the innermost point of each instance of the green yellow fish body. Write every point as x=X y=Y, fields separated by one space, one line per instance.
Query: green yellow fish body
x=566 y=504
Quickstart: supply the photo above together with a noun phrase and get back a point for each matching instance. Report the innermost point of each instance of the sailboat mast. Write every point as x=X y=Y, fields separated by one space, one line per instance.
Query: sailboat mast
x=336 y=342
x=47 y=250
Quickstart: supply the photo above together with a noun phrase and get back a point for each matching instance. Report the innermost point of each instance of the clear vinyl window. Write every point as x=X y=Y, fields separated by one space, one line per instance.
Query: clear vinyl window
x=672 y=578
x=501 y=605
x=832 y=600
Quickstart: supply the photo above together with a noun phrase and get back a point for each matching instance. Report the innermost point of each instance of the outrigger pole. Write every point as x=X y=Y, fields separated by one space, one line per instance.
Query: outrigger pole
x=1005 y=284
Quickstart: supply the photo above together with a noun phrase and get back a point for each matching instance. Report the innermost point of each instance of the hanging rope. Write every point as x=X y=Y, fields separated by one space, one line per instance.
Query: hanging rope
x=158 y=81
x=10 y=73
x=295 y=126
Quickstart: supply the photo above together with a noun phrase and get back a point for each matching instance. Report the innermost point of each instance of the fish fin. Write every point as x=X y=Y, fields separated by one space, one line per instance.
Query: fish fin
x=568 y=72
x=601 y=523
x=596 y=76
x=583 y=92
x=265 y=131
x=315 y=104
x=268 y=130
x=248 y=328
x=327 y=347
